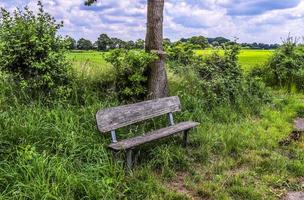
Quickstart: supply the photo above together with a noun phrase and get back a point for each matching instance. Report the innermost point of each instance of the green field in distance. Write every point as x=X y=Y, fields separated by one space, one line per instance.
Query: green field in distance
x=248 y=58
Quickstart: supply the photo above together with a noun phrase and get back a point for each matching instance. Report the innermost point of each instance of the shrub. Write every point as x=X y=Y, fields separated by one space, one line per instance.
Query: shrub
x=219 y=81
x=285 y=68
x=131 y=73
x=31 y=50
x=180 y=55
x=221 y=76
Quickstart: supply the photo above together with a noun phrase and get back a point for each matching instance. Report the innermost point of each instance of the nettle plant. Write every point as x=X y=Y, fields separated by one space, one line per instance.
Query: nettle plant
x=221 y=76
x=130 y=72
x=31 y=50
x=286 y=68
x=181 y=55
x=219 y=80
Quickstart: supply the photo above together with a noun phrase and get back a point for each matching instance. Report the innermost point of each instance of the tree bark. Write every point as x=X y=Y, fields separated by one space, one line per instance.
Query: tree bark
x=157 y=76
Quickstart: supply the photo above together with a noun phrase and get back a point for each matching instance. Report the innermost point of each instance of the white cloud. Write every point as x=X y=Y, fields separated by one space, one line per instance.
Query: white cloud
x=126 y=19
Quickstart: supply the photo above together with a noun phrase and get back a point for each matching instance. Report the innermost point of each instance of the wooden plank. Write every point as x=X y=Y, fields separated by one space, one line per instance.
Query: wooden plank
x=294 y=196
x=129 y=159
x=299 y=125
x=117 y=117
x=151 y=136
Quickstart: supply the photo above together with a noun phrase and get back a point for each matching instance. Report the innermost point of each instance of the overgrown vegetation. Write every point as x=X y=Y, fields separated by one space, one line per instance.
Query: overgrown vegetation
x=218 y=79
x=53 y=150
x=130 y=68
x=32 y=52
x=285 y=68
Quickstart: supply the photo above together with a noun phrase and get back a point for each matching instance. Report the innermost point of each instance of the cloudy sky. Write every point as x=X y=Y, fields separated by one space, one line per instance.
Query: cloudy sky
x=265 y=21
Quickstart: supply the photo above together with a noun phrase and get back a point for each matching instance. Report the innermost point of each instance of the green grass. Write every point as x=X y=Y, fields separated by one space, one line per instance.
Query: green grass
x=82 y=60
x=55 y=152
x=90 y=64
x=248 y=58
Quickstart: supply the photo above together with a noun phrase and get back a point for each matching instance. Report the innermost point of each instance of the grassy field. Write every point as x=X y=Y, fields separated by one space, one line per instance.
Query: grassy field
x=248 y=58
x=90 y=64
x=56 y=152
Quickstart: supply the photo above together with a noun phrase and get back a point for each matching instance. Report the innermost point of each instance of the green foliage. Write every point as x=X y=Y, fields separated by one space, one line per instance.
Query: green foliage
x=221 y=76
x=139 y=44
x=31 y=50
x=248 y=58
x=114 y=43
x=180 y=55
x=219 y=80
x=129 y=45
x=218 y=41
x=89 y=2
x=55 y=152
x=285 y=68
x=84 y=44
x=296 y=167
x=103 y=42
x=130 y=73
x=167 y=42
x=201 y=41
x=71 y=42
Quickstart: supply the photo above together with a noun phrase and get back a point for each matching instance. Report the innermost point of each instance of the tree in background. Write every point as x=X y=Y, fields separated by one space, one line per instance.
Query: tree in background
x=199 y=40
x=218 y=40
x=71 y=43
x=84 y=44
x=184 y=40
x=89 y=2
x=140 y=44
x=104 y=42
x=116 y=43
x=167 y=42
x=130 y=45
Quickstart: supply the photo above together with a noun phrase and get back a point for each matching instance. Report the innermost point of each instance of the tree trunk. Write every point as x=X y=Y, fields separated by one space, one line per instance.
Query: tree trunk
x=157 y=77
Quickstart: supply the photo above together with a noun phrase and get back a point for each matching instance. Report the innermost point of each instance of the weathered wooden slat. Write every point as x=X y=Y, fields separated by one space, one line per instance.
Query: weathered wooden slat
x=151 y=136
x=299 y=125
x=117 y=117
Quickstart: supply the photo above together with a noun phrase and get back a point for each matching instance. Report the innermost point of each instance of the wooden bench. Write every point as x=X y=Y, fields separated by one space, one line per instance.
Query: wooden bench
x=108 y=120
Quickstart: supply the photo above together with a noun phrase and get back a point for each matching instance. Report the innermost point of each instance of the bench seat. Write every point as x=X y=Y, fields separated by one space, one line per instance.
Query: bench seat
x=153 y=135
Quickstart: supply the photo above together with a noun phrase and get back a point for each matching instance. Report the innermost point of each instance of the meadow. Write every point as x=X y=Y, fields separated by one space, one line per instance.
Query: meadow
x=55 y=152
x=248 y=58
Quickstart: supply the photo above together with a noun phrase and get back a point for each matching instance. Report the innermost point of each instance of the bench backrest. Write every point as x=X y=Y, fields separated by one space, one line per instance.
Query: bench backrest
x=117 y=117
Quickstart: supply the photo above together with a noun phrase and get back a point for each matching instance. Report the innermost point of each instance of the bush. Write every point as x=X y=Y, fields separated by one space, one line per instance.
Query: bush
x=221 y=76
x=219 y=81
x=180 y=55
x=32 y=52
x=285 y=68
x=131 y=73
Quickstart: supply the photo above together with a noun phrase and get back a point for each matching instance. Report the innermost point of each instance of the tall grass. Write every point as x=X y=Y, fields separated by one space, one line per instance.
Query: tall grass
x=54 y=151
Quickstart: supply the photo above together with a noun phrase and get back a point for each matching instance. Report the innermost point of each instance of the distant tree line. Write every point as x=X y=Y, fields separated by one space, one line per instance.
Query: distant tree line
x=259 y=46
x=105 y=43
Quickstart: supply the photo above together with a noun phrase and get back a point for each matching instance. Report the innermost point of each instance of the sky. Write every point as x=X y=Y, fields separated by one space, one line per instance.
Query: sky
x=267 y=21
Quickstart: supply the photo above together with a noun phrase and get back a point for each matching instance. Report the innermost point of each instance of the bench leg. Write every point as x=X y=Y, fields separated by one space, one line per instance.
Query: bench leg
x=129 y=159
x=185 y=138
x=136 y=156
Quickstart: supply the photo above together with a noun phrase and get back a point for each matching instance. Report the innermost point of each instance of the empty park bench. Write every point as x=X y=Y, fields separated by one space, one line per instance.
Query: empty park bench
x=108 y=120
